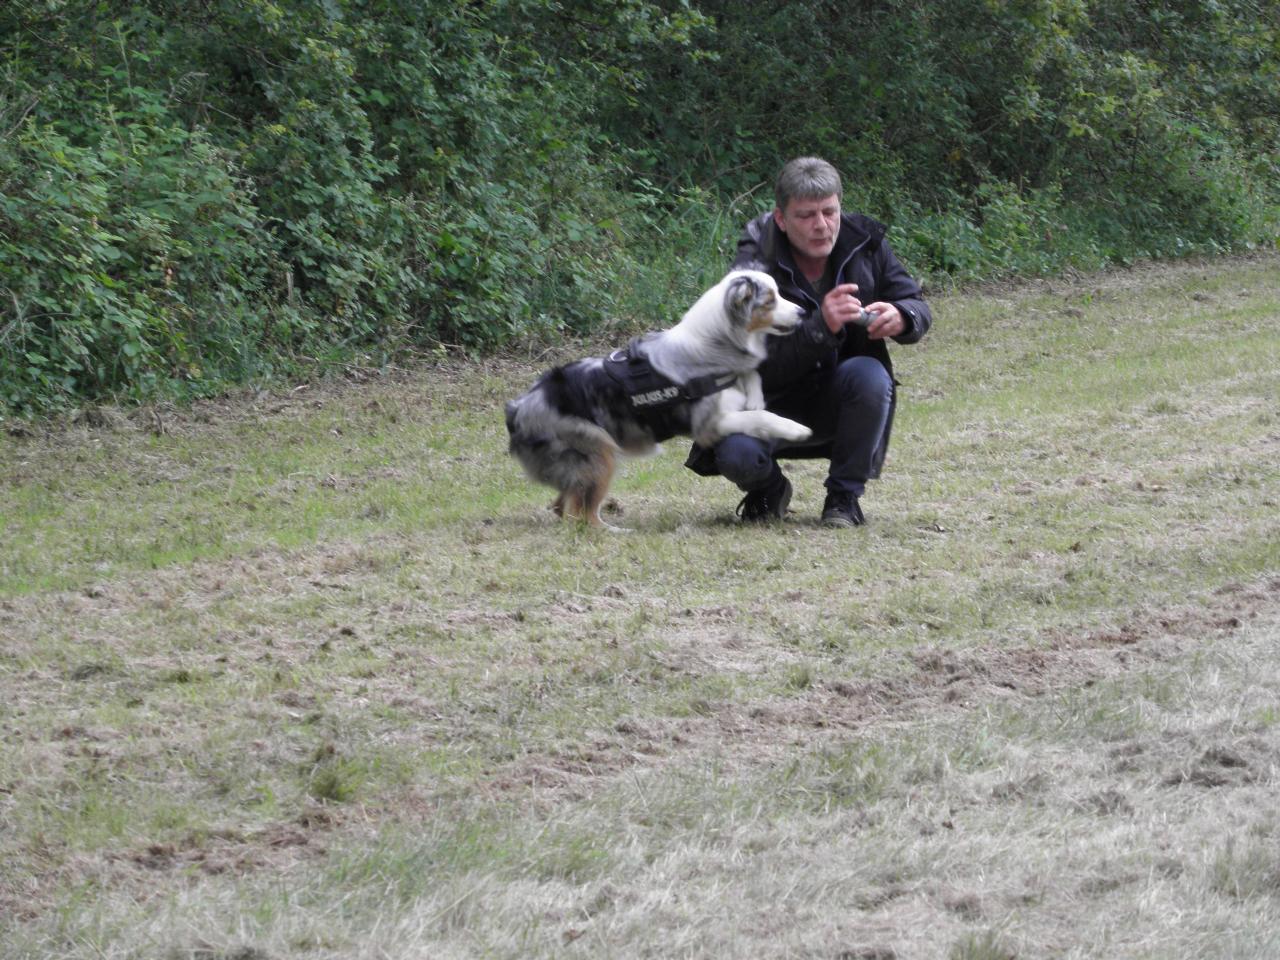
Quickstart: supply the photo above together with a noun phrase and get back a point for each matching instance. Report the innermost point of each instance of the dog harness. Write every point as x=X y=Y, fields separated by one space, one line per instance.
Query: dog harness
x=656 y=399
x=647 y=389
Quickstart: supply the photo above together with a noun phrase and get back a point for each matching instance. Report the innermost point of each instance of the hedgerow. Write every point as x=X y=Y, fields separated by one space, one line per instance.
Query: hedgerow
x=193 y=196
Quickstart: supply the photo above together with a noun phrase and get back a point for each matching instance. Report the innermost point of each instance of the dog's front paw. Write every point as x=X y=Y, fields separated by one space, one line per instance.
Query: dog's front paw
x=796 y=432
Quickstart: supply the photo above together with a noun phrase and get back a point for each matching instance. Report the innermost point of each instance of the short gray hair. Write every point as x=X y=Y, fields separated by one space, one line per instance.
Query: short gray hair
x=806 y=178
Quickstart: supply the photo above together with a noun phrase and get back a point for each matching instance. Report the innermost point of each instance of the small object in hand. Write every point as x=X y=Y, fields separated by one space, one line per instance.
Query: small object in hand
x=864 y=318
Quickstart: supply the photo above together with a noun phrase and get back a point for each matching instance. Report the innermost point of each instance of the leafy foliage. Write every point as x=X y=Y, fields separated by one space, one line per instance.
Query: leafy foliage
x=130 y=258
x=197 y=196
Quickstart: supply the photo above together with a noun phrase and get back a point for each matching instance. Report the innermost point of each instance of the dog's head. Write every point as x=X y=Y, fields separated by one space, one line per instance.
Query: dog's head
x=752 y=301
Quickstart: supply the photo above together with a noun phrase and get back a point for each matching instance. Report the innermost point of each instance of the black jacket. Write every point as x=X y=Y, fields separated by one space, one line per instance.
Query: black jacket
x=860 y=256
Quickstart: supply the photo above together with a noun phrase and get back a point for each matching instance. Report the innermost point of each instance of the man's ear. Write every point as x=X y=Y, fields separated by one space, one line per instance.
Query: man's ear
x=777 y=218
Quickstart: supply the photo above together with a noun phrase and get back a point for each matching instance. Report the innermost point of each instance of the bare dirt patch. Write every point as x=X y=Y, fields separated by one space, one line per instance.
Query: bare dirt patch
x=930 y=682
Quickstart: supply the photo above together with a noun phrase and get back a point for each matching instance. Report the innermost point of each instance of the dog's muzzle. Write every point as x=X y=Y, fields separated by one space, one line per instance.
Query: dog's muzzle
x=781 y=327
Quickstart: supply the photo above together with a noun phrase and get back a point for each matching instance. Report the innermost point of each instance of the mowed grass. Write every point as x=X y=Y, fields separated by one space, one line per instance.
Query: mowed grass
x=316 y=674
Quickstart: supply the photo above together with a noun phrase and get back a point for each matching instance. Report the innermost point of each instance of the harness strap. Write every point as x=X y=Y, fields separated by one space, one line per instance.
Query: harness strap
x=700 y=387
x=647 y=389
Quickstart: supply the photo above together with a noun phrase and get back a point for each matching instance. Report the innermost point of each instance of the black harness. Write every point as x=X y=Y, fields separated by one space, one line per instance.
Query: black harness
x=648 y=390
x=658 y=402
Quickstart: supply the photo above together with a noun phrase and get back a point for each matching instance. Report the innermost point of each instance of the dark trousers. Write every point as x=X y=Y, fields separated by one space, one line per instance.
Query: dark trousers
x=848 y=412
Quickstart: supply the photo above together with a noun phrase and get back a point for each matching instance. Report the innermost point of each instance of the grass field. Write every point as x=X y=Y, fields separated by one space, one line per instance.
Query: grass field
x=316 y=674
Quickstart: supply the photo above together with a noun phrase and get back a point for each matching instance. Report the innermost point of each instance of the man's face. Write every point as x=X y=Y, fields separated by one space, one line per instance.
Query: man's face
x=811 y=225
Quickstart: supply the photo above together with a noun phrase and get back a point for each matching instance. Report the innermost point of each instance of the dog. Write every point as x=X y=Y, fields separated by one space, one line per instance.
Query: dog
x=698 y=378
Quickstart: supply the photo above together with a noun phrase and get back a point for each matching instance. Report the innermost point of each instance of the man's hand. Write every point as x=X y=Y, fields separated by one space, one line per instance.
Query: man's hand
x=886 y=321
x=841 y=307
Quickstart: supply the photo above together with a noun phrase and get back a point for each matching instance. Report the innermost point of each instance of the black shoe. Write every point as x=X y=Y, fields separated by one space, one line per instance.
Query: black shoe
x=842 y=510
x=761 y=506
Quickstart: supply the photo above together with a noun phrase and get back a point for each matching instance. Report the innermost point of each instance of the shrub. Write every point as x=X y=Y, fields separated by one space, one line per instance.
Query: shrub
x=129 y=263
x=191 y=197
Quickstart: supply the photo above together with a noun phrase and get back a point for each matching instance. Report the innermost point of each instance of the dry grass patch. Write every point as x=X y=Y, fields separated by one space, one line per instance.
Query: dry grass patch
x=317 y=675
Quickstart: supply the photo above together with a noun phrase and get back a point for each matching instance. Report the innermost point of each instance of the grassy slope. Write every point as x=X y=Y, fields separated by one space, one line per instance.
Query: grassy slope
x=317 y=675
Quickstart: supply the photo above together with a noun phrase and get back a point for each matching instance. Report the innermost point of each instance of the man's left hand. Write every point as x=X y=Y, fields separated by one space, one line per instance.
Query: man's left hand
x=886 y=321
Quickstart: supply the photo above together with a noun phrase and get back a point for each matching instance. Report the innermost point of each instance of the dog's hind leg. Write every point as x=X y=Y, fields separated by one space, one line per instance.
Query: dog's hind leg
x=603 y=467
x=579 y=462
x=587 y=500
x=569 y=505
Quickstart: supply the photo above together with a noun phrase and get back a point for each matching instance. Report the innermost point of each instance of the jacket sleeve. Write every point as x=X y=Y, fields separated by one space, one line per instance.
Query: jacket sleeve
x=898 y=287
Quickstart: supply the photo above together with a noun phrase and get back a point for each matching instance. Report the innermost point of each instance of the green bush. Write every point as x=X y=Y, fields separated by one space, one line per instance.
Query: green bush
x=197 y=196
x=129 y=266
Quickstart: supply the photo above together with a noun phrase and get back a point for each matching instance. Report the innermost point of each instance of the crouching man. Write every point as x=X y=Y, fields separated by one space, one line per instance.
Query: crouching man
x=834 y=374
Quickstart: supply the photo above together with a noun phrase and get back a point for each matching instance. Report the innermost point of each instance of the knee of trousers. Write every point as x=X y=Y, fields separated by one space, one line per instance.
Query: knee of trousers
x=864 y=380
x=747 y=461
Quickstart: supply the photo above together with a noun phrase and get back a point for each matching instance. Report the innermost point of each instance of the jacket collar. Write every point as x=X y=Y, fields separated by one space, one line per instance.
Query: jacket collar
x=856 y=231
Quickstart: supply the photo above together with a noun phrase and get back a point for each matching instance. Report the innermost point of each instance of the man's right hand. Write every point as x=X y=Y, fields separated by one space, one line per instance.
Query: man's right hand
x=841 y=306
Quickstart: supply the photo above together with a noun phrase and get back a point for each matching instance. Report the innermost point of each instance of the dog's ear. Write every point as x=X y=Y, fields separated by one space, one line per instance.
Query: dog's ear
x=741 y=296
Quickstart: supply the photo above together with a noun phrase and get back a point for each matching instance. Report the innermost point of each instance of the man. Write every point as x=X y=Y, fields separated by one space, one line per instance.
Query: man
x=833 y=374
